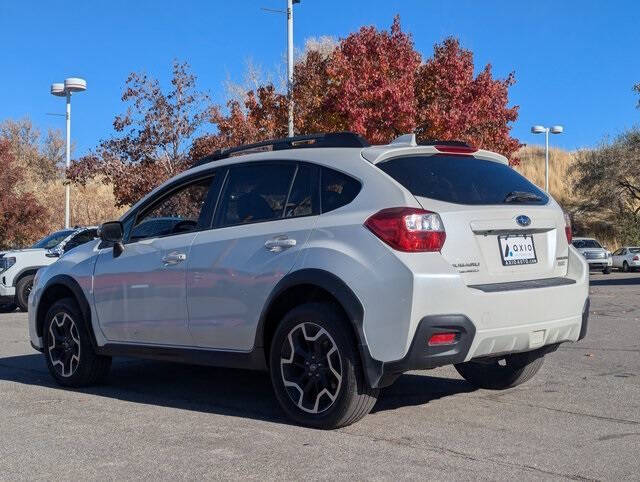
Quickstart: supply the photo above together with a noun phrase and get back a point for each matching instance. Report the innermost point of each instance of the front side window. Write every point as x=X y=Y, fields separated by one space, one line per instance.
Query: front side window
x=619 y=252
x=337 y=189
x=81 y=238
x=255 y=193
x=176 y=213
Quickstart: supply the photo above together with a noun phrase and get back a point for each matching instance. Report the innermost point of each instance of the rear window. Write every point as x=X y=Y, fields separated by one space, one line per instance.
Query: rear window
x=634 y=250
x=586 y=243
x=462 y=180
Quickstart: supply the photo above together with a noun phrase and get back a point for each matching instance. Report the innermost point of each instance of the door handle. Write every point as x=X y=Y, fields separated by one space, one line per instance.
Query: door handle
x=280 y=243
x=174 y=258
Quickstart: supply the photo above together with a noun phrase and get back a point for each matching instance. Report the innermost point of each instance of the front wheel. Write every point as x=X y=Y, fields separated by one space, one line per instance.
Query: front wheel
x=315 y=368
x=625 y=267
x=499 y=373
x=607 y=270
x=68 y=350
x=23 y=289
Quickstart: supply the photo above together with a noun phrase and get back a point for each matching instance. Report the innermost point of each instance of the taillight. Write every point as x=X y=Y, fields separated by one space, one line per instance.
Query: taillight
x=636 y=258
x=455 y=149
x=567 y=227
x=408 y=229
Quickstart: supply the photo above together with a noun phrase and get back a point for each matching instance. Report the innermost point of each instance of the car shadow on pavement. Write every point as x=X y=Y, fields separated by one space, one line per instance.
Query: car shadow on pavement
x=601 y=281
x=241 y=393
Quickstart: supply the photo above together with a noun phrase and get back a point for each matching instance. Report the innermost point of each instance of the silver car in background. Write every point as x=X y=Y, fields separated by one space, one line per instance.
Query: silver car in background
x=627 y=258
x=598 y=258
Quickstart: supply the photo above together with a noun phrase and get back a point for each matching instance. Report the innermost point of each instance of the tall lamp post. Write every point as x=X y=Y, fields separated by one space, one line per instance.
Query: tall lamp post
x=70 y=85
x=289 y=13
x=545 y=131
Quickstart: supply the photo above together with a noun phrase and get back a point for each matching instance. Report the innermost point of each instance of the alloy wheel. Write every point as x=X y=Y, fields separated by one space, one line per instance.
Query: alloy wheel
x=311 y=368
x=64 y=345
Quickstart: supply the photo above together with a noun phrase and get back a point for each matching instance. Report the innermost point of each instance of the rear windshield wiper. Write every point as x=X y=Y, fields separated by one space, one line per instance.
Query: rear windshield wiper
x=521 y=196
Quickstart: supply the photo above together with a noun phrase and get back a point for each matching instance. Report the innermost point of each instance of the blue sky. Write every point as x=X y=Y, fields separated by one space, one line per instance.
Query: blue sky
x=575 y=61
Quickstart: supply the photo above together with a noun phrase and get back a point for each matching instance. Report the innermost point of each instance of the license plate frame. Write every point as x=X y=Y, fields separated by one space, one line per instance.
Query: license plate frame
x=517 y=259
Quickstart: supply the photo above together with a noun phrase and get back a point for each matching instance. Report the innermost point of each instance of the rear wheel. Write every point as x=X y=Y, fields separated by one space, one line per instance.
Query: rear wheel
x=625 y=267
x=67 y=347
x=8 y=307
x=23 y=289
x=503 y=372
x=315 y=368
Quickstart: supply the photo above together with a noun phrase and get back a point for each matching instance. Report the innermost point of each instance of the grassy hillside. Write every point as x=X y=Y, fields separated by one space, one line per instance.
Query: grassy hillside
x=561 y=181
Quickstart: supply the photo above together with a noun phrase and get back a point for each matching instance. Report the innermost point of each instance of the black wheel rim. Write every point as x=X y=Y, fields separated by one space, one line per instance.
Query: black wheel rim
x=64 y=345
x=311 y=368
x=27 y=291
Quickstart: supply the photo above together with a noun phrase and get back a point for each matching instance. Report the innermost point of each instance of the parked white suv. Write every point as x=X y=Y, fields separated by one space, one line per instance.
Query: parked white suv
x=18 y=267
x=598 y=258
x=335 y=265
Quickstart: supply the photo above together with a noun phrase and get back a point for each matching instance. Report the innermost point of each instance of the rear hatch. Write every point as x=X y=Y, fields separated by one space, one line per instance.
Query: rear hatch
x=499 y=226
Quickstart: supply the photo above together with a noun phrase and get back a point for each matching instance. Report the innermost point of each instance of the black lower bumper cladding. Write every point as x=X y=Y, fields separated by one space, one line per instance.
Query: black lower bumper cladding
x=422 y=356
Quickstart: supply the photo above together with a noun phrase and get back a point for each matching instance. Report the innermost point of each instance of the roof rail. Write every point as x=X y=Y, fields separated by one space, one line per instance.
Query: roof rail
x=330 y=139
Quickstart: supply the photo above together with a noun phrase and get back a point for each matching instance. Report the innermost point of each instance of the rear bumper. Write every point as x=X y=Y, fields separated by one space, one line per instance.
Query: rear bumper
x=470 y=344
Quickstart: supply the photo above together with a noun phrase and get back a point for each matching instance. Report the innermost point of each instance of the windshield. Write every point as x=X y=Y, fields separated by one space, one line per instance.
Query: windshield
x=462 y=180
x=53 y=239
x=586 y=243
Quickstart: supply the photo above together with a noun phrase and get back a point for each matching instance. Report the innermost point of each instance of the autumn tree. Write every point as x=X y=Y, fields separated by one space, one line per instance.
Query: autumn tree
x=152 y=138
x=40 y=157
x=374 y=83
x=452 y=104
x=21 y=215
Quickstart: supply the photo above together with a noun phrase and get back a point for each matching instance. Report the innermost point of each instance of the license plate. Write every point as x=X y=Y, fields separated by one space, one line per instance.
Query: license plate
x=517 y=249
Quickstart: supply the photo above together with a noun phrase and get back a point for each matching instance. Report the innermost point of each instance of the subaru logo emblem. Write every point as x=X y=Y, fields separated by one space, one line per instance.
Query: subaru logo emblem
x=523 y=220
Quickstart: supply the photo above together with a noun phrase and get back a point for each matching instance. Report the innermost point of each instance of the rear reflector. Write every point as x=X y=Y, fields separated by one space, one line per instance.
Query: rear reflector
x=408 y=229
x=442 y=339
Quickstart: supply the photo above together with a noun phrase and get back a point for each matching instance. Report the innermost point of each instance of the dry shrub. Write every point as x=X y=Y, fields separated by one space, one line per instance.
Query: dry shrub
x=91 y=204
x=562 y=177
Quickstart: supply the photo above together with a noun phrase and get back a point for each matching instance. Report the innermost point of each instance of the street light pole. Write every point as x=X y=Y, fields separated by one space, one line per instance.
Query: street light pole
x=70 y=85
x=537 y=129
x=67 y=214
x=290 y=63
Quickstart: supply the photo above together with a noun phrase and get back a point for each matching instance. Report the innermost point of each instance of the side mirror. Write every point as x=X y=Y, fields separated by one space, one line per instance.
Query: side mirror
x=112 y=232
x=53 y=253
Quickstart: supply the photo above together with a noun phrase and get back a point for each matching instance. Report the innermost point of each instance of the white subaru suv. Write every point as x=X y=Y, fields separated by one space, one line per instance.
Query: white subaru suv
x=18 y=267
x=334 y=265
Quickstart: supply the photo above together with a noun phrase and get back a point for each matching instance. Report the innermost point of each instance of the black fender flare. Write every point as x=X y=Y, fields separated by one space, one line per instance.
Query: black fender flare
x=73 y=286
x=344 y=295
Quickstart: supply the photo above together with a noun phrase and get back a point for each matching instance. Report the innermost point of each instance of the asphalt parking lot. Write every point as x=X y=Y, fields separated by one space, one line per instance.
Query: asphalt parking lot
x=579 y=418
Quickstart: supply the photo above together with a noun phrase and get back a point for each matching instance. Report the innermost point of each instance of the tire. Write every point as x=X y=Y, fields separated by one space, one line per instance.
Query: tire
x=625 y=267
x=492 y=375
x=70 y=357
x=23 y=288
x=607 y=270
x=322 y=344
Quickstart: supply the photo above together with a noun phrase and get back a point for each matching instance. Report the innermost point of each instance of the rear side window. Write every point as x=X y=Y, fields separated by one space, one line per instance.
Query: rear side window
x=462 y=180
x=255 y=193
x=337 y=189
